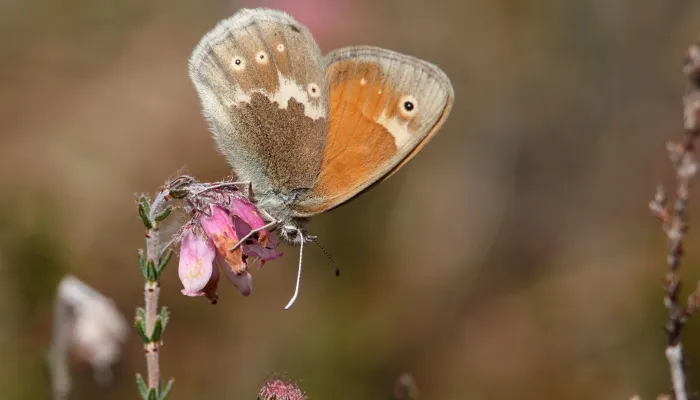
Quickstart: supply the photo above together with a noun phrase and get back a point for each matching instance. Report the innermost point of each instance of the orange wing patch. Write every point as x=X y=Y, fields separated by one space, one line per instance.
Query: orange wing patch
x=356 y=143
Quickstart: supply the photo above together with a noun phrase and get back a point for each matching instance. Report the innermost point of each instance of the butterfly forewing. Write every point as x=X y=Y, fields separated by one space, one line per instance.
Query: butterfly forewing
x=261 y=79
x=384 y=106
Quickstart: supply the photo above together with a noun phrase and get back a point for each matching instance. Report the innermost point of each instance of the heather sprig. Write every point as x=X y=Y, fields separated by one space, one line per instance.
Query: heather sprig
x=223 y=231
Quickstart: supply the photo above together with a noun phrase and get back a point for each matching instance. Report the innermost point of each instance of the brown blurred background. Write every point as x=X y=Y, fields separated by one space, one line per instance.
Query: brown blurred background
x=514 y=258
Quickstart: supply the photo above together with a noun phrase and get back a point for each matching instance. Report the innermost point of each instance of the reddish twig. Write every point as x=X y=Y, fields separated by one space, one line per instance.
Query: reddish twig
x=675 y=225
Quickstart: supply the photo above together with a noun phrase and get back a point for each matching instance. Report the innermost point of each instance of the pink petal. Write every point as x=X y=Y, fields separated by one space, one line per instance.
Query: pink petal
x=196 y=263
x=262 y=253
x=243 y=281
x=254 y=248
x=219 y=227
x=248 y=213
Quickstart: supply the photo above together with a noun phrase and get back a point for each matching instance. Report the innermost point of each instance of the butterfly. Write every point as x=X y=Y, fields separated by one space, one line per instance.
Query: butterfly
x=308 y=132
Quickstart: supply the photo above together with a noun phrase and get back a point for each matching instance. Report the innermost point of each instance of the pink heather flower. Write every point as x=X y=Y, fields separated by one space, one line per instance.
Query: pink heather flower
x=202 y=255
x=196 y=267
x=246 y=218
x=280 y=390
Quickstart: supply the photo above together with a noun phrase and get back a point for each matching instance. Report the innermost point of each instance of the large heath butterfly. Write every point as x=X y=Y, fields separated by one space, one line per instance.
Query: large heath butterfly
x=308 y=132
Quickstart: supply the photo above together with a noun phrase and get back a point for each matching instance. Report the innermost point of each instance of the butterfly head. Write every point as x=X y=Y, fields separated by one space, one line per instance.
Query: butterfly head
x=293 y=233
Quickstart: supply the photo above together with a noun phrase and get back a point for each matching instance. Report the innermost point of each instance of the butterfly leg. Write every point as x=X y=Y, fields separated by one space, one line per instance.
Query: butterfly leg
x=251 y=195
x=251 y=233
x=223 y=185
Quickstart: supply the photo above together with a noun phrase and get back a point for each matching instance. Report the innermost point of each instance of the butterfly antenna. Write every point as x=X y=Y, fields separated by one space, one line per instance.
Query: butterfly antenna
x=296 y=290
x=335 y=266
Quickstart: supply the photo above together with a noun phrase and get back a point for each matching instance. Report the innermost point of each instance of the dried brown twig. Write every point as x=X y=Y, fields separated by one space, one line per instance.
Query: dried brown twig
x=675 y=225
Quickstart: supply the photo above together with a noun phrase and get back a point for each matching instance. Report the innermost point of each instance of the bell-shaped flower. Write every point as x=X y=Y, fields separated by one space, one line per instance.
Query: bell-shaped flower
x=219 y=245
x=198 y=274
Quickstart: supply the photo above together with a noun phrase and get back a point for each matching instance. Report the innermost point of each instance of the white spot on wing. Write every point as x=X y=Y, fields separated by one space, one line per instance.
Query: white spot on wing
x=398 y=129
x=241 y=97
x=288 y=89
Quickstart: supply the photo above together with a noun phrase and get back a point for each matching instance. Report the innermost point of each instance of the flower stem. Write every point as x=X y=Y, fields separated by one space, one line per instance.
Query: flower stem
x=150 y=295
x=149 y=321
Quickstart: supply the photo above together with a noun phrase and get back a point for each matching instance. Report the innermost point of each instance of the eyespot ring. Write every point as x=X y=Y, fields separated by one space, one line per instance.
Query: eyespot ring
x=408 y=106
x=261 y=57
x=280 y=47
x=313 y=90
x=238 y=63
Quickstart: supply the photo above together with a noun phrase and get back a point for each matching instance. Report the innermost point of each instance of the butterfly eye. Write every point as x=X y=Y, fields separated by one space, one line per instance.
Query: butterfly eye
x=238 y=63
x=262 y=58
x=408 y=106
x=313 y=90
x=280 y=47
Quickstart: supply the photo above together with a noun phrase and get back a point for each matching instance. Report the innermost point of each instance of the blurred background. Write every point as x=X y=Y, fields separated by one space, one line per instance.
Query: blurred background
x=514 y=258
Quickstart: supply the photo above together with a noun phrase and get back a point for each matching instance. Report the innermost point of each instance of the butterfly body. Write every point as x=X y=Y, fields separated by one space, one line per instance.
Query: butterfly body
x=311 y=132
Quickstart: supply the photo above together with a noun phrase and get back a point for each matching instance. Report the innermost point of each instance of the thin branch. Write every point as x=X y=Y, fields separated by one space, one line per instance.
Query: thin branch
x=674 y=223
x=674 y=354
x=150 y=322
x=151 y=292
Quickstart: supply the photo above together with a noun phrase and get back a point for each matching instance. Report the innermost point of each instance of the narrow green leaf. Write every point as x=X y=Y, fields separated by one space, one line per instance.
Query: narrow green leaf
x=164 y=393
x=164 y=316
x=151 y=272
x=152 y=395
x=141 y=329
x=157 y=330
x=142 y=264
x=141 y=384
x=163 y=214
x=140 y=314
x=144 y=210
x=145 y=203
x=164 y=260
